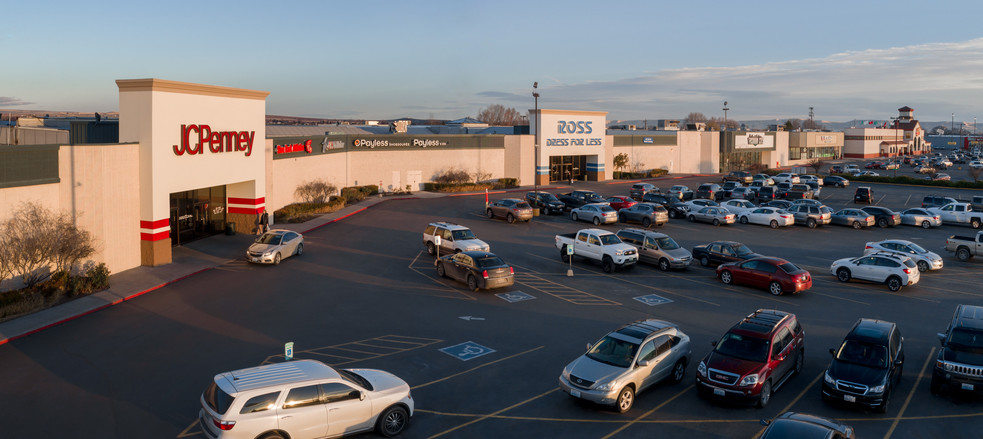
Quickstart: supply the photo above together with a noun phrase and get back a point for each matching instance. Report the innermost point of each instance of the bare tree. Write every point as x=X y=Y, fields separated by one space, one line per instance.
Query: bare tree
x=480 y=176
x=715 y=123
x=815 y=164
x=976 y=173
x=496 y=114
x=792 y=124
x=317 y=191
x=810 y=124
x=694 y=117
x=39 y=241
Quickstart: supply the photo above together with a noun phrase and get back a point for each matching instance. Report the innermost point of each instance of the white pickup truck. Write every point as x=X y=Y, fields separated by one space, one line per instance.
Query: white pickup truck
x=959 y=213
x=965 y=246
x=599 y=245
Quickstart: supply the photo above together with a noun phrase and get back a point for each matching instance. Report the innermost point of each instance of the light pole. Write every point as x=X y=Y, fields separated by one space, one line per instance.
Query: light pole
x=724 y=127
x=535 y=178
x=897 y=123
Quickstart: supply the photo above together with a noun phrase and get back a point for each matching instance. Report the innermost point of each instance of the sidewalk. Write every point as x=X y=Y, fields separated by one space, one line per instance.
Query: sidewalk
x=187 y=260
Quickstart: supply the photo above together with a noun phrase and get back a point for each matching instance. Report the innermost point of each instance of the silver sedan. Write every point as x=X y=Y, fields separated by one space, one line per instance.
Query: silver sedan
x=921 y=218
x=853 y=217
x=713 y=215
x=275 y=245
x=597 y=213
x=924 y=259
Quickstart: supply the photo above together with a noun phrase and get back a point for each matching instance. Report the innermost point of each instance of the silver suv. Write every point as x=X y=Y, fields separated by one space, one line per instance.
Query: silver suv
x=810 y=215
x=657 y=248
x=627 y=361
x=294 y=399
x=454 y=238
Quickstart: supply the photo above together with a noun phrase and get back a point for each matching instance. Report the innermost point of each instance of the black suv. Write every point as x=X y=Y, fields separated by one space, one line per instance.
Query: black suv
x=863 y=195
x=545 y=201
x=960 y=366
x=884 y=216
x=675 y=207
x=710 y=191
x=936 y=201
x=867 y=366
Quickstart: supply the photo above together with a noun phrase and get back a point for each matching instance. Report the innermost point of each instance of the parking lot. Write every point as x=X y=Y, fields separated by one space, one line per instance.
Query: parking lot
x=485 y=364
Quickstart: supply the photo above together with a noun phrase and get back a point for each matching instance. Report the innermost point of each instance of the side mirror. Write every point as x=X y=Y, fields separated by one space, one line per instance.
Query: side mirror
x=898 y=363
x=832 y=352
x=764 y=422
x=713 y=343
x=361 y=395
x=643 y=363
x=941 y=337
x=588 y=346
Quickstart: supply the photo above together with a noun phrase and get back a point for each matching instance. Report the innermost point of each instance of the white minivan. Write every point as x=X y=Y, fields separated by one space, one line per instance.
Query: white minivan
x=303 y=399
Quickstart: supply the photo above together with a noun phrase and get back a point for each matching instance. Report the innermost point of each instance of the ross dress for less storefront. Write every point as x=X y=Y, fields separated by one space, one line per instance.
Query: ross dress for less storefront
x=202 y=159
x=571 y=144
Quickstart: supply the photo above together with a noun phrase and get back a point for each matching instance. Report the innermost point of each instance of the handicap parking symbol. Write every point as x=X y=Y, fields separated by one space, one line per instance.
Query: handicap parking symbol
x=514 y=296
x=467 y=351
x=653 y=300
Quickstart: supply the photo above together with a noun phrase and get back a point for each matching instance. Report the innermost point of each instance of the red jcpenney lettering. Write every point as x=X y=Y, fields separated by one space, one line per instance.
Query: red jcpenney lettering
x=217 y=141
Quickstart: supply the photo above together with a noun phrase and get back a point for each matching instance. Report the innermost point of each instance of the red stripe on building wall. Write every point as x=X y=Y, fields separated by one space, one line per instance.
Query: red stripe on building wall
x=246 y=210
x=248 y=201
x=155 y=224
x=155 y=236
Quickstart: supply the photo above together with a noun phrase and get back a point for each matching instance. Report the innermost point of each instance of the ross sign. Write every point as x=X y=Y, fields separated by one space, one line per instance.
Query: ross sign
x=467 y=351
x=217 y=141
x=288 y=351
x=754 y=140
x=572 y=132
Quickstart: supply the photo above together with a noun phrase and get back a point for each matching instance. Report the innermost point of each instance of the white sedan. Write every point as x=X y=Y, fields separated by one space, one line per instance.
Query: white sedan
x=275 y=245
x=768 y=216
x=920 y=217
x=738 y=207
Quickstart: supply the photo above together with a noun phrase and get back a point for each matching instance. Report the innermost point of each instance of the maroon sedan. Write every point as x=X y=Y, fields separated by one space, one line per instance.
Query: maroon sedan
x=777 y=275
x=619 y=202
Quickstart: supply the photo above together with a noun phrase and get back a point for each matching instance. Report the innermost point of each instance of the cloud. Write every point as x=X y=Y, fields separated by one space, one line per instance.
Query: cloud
x=10 y=101
x=936 y=79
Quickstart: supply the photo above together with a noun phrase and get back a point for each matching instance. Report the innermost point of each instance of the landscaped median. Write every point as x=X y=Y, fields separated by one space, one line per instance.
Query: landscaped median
x=905 y=180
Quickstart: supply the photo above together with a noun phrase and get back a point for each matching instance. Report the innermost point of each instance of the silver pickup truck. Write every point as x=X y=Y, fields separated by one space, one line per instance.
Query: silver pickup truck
x=599 y=245
x=965 y=246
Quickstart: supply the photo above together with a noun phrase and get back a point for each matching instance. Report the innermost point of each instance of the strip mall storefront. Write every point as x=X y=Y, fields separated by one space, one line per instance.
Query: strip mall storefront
x=571 y=144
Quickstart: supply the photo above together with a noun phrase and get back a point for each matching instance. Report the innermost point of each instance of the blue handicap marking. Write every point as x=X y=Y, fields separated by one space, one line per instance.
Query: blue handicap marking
x=514 y=296
x=652 y=300
x=467 y=350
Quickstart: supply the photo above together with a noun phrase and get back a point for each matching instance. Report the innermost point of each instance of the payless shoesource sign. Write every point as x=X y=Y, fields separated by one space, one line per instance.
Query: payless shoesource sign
x=196 y=139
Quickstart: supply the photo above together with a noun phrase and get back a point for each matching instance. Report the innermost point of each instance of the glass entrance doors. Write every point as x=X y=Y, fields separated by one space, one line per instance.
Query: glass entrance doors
x=568 y=167
x=197 y=214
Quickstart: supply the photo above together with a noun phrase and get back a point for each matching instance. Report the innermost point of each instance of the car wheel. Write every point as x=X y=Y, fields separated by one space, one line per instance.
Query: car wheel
x=843 y=275
x=672 y=214
x=884 y=405
x=625 y=399
x=726 y=277
x=678 y=371
x=811 y=223
x=743 y=220
x=510 y=218
x=975 y=223
x=856 y=225
x=431 y=249
x=765 y=396
x=472 y=283
x=705 y=261
x=936 y=385
x=646 y=222
x=692 y=219
x=963 y=254
x=621 y=218
x=607 y=264
x=490 y=214
x=597 y=221
x=882 y=223
x=273 y=435
x=664 y=264
x=716 y=222
x=276 y=259
x=440 y=270
x=563 y=254
x=893 y=283
x=799 y=361
x=922 y=266
x=573 y=216
x=392 y=421
x=775 y=289
x=773 y=224
x=300 y=249
x=926 y=224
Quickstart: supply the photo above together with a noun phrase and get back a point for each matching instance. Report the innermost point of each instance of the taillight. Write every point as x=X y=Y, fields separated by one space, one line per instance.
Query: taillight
x=511 y=271
x=907 y=271
x=484 y=274
x=867 y=246
x=224 y=425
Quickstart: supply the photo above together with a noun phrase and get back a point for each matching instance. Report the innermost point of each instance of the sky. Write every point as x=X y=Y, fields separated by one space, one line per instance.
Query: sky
x=450 y=59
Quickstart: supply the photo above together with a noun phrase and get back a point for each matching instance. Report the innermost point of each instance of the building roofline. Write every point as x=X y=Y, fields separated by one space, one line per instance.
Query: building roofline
x=168 y=86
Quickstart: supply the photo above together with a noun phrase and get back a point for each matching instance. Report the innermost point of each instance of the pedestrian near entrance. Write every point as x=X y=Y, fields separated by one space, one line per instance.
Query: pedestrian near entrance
x=264 y=223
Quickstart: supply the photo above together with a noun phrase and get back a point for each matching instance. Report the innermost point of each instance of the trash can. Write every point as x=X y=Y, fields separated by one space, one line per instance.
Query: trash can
x=230 y=228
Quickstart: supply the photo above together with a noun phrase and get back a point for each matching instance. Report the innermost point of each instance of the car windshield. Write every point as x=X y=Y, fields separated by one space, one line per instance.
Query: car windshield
x=742 y=250
x=917 y=248
x=489 y=261
x=966 y=339
x=462 y=234
x=548 y=197
x=606 y=208
x=610 y=239
x=270 y=238
x=743 y=347
x=667 y=243
x=864 y=354
x=613 y=351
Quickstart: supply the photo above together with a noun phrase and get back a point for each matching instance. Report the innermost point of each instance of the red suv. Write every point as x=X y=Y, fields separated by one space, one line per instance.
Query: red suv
x=753 y=359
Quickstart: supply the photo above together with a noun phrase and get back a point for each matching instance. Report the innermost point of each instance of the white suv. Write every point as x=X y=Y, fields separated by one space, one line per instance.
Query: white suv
x=303 y=399
x=454 y=238
x=786 y=177
x=894 y=270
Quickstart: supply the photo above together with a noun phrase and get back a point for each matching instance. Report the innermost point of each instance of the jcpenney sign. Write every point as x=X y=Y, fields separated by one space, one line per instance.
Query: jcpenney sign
x=216 y=141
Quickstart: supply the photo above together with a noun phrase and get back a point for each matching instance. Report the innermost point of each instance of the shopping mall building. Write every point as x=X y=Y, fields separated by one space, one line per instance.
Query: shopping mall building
x=191 y=158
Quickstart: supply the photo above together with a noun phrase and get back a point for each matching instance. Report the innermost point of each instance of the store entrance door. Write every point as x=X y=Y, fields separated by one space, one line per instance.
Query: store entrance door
x=197 y=214
x=568 y=167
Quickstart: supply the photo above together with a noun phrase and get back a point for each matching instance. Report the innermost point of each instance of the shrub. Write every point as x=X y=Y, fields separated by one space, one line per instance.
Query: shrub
x=452 y=175
x=316 y=191
x=507 y=182
x=39 y=242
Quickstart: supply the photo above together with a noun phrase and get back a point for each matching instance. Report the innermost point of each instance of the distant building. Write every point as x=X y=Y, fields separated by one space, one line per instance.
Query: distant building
x=667 y=124
x=885 y=139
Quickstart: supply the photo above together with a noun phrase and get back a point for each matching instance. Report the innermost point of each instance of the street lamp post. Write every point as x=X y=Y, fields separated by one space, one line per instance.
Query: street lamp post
x=724 y=127
x=897 y=124
x=535 y=178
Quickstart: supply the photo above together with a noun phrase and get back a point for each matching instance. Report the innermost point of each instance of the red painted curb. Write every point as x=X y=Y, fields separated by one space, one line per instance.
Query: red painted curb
x=115 y=302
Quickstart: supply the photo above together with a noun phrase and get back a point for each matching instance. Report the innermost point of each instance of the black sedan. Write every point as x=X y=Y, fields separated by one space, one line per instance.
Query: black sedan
x=479 y=270
x=676 y=208
x=721 y=252
x=546 y=202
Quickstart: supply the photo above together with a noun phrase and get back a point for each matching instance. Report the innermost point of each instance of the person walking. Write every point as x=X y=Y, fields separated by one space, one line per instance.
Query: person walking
x=264 y=222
